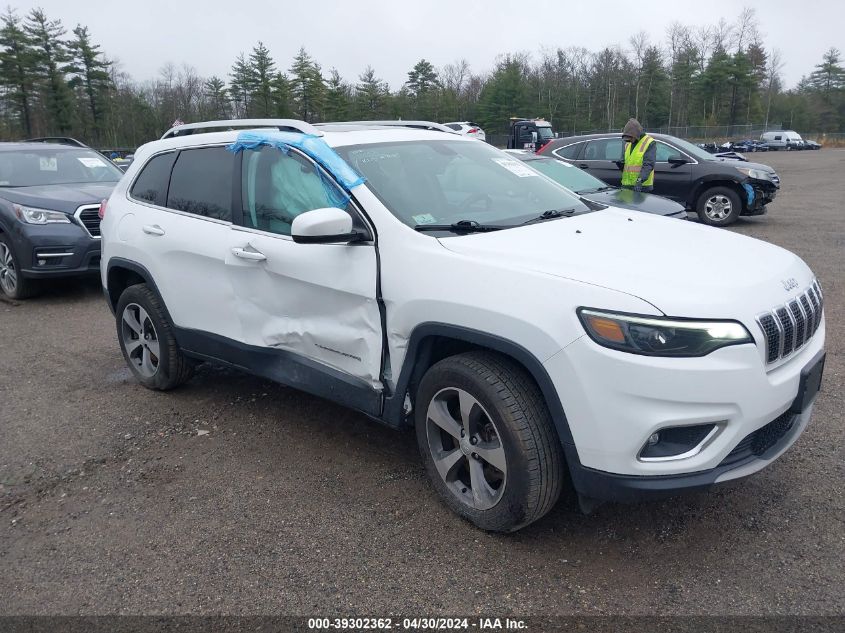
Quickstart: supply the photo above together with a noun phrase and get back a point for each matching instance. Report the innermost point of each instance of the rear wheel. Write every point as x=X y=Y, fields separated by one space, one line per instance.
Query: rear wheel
x=12 y=283
x=147 y=342
x=718 y=206
x=488 y=441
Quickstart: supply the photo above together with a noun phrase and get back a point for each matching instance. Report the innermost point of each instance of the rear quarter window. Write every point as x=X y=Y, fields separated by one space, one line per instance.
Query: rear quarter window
x=570 y=151
x=151 y=183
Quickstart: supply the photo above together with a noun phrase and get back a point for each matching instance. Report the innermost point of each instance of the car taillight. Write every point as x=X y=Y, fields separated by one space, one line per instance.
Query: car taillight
x=102 y=212
x=472 y=130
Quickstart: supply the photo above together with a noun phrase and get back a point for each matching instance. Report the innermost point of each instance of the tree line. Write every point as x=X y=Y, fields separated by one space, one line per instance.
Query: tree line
x=59 y=83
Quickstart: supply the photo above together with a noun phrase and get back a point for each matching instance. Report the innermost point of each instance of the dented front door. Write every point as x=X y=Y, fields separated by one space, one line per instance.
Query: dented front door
x=317 y=301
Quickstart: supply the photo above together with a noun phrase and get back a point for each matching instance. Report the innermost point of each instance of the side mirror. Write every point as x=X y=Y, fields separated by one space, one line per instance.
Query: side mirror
x=324 y=226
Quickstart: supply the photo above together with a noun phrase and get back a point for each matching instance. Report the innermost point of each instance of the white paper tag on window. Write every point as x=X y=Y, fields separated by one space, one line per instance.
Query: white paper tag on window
x=516 y=167
x=47 y=163
x=424 y=218
x=93 y=163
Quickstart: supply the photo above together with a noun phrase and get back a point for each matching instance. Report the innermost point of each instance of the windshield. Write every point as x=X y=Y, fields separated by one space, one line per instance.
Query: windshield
x=545 y=133
x=56 y=166
x=445 y=181
x=692 y=150
x=566 y=175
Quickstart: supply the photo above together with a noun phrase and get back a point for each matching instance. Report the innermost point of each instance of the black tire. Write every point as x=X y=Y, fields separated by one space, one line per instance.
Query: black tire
x=21 y=287
x=714 y=196
x=172 y=367
x=515 y=406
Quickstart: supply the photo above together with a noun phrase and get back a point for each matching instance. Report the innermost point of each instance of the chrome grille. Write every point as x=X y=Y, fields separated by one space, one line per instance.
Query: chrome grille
x=789 y=327
x=89 y=217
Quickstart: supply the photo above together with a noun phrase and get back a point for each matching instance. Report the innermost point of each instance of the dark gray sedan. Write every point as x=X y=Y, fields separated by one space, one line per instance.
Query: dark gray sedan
x=596 y=190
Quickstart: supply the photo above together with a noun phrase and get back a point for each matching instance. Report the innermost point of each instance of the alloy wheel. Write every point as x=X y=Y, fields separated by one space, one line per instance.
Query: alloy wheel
x=718 y=207
x=140 y=340
x=466 y=448
x=8 y=274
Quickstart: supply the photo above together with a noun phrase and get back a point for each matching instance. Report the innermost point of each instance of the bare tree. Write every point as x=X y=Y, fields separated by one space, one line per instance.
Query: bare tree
x=772 y=80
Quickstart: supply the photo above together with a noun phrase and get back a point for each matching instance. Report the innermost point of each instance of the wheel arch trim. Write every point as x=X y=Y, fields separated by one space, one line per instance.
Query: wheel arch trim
x=418 y=354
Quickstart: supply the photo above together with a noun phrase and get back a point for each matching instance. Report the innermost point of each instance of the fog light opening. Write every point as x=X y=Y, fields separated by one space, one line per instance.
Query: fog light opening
x=678 y=442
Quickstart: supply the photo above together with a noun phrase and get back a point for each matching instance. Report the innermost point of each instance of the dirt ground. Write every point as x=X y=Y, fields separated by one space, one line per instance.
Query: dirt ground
x=113 y=500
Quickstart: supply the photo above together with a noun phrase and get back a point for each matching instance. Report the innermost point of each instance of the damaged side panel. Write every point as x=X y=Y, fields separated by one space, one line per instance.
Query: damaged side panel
x=318 y=301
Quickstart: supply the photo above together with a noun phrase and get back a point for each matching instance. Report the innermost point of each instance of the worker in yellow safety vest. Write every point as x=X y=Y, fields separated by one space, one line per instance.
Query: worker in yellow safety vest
x=638 y=156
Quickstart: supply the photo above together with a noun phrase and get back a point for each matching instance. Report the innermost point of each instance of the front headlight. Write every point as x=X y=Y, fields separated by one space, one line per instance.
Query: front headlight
x=31 y=215
x=757 y=174
x=659 y=336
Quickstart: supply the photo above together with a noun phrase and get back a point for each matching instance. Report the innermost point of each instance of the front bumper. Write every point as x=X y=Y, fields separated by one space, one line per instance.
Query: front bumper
x=55 y=250
x=615 y=401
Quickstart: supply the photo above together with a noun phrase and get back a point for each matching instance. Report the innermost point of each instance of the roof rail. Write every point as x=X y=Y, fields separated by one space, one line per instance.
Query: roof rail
x=61 y=140
x=288 y=125
x=418 y=125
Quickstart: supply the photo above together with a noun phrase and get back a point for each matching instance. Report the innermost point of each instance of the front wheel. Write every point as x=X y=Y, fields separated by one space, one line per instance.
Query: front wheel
x=12 y=282
x=718 y=206
x=488 y=441
x=147 y=342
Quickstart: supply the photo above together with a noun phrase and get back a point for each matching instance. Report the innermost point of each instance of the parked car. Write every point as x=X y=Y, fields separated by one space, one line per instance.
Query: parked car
x=595 y=190
x=749 y=145
x=428 y=280
x=811 y=144
x=468 y=128
x=718 y=189
x=50 y=196
x=782 y=140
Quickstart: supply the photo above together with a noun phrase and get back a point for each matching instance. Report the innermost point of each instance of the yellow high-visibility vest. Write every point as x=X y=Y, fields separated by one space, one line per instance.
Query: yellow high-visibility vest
x=634 y=162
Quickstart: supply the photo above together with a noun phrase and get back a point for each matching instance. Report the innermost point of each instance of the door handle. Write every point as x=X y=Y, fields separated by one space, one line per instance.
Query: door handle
x=583 y=165
x=152 y=229
x=253 y=256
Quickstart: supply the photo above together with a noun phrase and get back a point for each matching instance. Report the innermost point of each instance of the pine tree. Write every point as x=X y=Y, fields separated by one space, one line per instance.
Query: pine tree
x=370 y=95
x=422 y=82
x=215 y=92
x=241 y=86
x=307 y=86
x=281 y=96
x=829 y=75
x=90 y=72
x=51 y=62
x=263 y=71
x=17 y=68
x=337 y=98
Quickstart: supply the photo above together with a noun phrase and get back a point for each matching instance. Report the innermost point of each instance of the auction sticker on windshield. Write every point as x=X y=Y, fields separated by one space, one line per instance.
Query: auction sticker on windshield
x=47 y=163
x=515 y=167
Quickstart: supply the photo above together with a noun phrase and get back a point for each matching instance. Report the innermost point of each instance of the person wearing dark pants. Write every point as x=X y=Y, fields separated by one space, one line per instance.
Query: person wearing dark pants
x=638 y=157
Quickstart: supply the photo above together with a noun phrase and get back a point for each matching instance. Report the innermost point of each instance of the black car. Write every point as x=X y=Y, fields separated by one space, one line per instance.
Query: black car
x=749 y=145
x=594 y=189
x=811 y=145
x=718 y=189
x=50 y=197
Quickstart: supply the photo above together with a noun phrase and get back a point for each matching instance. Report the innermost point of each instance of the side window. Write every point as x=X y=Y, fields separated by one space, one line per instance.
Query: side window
x=454 y=126
x=664 y=152
x=778 y=138
x=570 y=151
x=277 y=187
x=151 y=184
x=201 y=183
x=604 y=149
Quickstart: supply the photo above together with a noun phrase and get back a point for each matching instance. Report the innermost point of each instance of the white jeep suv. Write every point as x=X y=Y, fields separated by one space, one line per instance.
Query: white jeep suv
x=426 y=279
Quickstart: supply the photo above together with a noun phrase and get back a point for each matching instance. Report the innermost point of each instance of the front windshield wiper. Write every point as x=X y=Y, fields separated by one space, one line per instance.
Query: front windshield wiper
x=581 y=192
x=551 y=215
x=462 y=226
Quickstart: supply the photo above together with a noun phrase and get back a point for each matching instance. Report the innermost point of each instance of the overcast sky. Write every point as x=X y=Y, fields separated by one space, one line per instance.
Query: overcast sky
x=393 y=35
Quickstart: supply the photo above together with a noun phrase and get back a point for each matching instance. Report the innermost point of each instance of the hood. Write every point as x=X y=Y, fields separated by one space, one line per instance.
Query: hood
x=629 y=199
x=67 y=198
x=683 y=269
x=633 y=128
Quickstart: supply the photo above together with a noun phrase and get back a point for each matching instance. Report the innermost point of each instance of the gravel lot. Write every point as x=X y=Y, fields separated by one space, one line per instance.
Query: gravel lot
x=236 y=495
